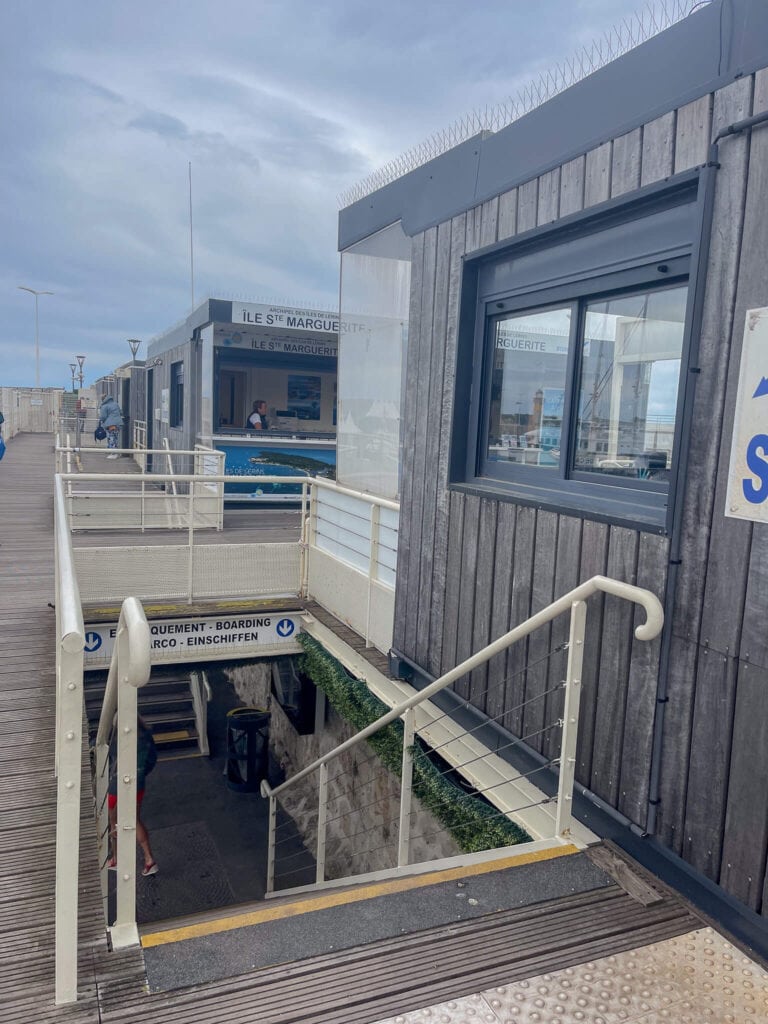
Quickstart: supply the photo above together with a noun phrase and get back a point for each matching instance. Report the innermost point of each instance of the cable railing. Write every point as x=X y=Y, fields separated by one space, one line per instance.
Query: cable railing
x=432 y=747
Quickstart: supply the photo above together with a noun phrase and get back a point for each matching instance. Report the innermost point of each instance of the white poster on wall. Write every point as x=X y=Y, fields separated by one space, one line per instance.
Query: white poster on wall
x=165 y=405
x=747 y=496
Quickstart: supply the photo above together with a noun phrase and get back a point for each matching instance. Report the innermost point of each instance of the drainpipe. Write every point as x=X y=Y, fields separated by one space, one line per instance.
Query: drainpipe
x=662 y=697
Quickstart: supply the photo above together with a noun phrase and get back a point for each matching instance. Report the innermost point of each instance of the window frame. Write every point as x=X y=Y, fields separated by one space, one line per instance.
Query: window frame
x=571 y=491
x=176 y=411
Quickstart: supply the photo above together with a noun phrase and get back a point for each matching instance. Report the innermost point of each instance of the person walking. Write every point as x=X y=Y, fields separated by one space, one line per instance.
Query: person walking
x=111 y=419
x=146 y=759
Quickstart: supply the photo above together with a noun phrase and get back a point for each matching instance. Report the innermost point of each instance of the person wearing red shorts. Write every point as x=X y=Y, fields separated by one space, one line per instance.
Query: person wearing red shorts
x=146 y=759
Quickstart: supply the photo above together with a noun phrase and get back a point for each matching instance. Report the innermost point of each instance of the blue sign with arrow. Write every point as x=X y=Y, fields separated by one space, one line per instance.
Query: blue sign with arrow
x=285 y=628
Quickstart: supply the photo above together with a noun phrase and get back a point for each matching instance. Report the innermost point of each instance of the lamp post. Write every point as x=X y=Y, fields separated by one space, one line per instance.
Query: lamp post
x=134 y=345
x=80 y=361
x=73 y=371
x=24 y=288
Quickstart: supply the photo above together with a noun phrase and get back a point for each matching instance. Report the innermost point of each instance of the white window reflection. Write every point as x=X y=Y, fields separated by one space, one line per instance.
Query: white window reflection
x=630 y=370
x=528 y=384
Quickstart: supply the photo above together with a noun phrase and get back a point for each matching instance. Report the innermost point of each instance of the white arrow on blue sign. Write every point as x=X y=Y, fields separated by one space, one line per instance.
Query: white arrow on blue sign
x=747 y=496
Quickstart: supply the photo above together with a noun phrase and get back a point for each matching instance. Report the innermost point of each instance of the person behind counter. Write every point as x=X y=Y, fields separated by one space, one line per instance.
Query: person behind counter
x=258 y=418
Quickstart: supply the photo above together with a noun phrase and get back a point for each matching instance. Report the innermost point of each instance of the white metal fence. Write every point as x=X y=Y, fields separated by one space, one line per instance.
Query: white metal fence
x=547 y=820
x=188 y=571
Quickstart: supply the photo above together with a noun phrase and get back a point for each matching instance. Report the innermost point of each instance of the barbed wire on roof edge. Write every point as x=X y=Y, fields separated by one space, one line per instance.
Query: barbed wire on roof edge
x=626 y=35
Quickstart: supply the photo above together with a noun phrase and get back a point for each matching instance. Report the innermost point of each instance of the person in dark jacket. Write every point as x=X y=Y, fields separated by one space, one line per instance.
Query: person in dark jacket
x=258 y=418
x=111 y=418
x=146 y=759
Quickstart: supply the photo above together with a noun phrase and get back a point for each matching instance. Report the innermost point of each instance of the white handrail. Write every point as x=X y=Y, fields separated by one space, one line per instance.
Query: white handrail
x=129 y=670
x=646 y=631
x=70 y=641
x=573 y=602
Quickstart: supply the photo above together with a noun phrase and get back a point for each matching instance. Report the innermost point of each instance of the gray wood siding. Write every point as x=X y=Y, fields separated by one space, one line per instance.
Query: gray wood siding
x=470 y=568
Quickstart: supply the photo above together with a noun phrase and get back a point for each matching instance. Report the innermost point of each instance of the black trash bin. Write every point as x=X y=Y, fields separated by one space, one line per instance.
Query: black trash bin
x=247 y=749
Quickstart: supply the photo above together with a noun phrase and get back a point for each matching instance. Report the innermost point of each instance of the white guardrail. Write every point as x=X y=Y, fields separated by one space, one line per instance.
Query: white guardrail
x=573 y=603
x=336 y=525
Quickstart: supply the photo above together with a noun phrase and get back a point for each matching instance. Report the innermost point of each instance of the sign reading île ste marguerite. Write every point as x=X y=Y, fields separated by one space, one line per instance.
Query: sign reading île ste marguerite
x=747 y=496
x=200 y=639
x=315 y=321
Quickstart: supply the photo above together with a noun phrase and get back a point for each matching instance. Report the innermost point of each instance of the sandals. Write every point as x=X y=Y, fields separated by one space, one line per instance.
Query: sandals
x=146 y=871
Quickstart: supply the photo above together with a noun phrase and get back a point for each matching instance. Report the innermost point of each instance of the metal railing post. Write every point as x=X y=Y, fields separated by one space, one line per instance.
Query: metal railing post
x=373 y=559
x=70 y=700
x=307 y=498
x=271 y=844
x=406 y=789
x=570 y=727
x=125 y=839
x=322 y=818
x=191 y=545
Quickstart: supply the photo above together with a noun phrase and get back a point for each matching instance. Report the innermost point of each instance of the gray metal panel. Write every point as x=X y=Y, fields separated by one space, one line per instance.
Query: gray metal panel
x=697 y=56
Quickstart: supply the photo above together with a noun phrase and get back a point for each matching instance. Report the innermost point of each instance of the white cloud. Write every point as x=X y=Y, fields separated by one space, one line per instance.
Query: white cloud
x=278 y=104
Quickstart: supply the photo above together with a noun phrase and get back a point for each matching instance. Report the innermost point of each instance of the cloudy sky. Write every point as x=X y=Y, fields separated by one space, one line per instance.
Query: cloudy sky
x=280 y=105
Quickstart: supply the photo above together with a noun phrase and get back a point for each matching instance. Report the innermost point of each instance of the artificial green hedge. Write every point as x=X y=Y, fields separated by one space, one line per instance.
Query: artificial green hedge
x=471 y=821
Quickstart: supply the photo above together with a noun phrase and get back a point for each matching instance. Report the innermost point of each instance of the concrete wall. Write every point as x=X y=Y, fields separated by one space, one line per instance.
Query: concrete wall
x=364 y=797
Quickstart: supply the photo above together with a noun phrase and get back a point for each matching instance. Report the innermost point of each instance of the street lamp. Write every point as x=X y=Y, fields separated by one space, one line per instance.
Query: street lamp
x=73 y=371
x=134 y=344
x=24 y=288
x=80 y=361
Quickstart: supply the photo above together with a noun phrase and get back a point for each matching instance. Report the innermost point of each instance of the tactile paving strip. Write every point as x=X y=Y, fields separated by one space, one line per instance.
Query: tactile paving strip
x=699 y=977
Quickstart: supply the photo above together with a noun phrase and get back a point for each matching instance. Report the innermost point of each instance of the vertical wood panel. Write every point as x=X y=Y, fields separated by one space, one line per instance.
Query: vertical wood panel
x=652 y=562
x=409 y=424
x=467 y=586
x=746 y=820
x=522 y=572
x=432 y=442
x=594 y=562
x=684 y=767
x=549 y=197
x=452 y=581
x=439 y=572
x=474 y=228
x=711 y=737
x=484 y=586
x=527 y=205
x=572 y=187
x=730 y=104
x=597 y=175
x=567 y=570
x=614 y=667
x=676 y=740
x=489 y=220
x=507 y=214
x=754 y=634
x=692 y=138
x=539 y=642
x=658 y=149
x=500 y=611
x=625 y=173
x=419 y=416
x=744 y=847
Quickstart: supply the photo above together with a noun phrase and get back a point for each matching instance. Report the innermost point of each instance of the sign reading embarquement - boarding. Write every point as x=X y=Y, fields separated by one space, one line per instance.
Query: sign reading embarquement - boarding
x=202 y=639
x=748 y=473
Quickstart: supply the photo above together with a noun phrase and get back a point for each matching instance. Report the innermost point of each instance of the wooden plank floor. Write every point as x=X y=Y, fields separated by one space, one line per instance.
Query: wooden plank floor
x=113 y=986
x=27 y=784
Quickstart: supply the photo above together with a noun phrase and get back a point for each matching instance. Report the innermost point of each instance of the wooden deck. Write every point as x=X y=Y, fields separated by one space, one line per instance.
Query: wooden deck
x=357 y=986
